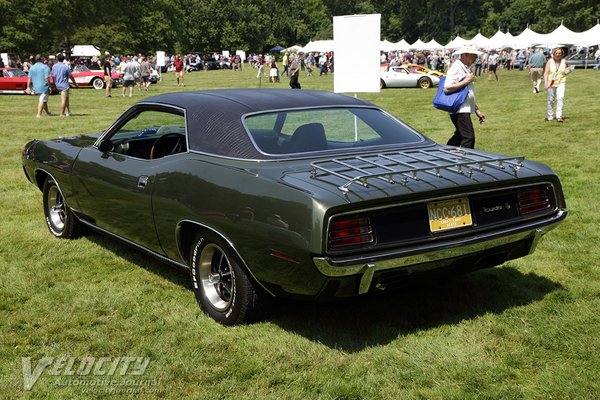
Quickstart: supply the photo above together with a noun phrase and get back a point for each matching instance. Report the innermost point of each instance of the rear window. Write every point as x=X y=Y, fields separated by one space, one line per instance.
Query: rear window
x=311 y=130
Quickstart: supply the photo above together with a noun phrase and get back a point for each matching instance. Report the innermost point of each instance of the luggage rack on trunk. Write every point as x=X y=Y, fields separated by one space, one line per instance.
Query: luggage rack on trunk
x=406 y=164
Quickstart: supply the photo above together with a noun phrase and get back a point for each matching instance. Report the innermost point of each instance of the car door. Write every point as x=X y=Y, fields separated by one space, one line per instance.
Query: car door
x=113 y=182
x=401 y=77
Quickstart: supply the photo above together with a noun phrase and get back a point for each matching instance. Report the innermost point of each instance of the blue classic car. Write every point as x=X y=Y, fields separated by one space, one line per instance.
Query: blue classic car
x=274 y=193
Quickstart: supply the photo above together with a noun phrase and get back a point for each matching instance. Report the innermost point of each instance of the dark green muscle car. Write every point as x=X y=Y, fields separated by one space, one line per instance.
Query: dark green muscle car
x=280 y=193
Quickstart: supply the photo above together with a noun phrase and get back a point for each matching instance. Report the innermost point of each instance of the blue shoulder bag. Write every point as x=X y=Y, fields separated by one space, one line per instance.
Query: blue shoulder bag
x=450 y=102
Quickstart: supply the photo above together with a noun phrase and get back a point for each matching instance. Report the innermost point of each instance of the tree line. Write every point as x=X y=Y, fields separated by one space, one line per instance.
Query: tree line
x=183 y=26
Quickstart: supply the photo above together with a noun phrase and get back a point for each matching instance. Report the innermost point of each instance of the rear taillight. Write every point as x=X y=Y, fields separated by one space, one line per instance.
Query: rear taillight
x=350 y=232
x=533 y=200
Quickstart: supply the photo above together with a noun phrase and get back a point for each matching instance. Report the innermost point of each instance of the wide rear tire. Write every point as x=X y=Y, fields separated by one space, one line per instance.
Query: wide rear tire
x=61 y=221
x=424 y=83
x=221 y=286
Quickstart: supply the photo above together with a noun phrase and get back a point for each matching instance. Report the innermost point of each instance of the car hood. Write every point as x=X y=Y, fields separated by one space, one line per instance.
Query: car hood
x=80 y=140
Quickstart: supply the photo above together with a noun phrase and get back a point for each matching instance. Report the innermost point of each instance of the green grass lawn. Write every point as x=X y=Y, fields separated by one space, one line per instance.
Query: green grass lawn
x=528 y=329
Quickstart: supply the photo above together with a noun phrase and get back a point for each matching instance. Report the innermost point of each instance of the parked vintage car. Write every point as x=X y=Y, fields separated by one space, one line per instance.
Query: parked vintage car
x=581 y=61
x=13 y=81
x=95 y=78
x=265 y=193
x=422 y=69
x=402 y=77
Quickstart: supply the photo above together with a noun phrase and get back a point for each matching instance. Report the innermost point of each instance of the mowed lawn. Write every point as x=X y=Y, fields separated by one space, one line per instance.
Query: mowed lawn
x=528 y=329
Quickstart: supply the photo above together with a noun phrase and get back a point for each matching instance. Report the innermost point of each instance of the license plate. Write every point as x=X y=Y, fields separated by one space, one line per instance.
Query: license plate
x=449 y=214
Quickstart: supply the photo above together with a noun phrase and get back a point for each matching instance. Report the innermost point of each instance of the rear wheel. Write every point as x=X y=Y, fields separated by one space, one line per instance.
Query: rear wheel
x=222 y=288
x=424 y=83
x=60 y=219
x=98 y=83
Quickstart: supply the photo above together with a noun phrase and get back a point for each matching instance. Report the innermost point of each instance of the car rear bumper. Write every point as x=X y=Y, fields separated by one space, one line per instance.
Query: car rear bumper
x=479 y=249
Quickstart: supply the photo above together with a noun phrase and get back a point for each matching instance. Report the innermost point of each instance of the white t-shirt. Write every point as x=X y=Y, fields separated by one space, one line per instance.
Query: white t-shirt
x=456 y=73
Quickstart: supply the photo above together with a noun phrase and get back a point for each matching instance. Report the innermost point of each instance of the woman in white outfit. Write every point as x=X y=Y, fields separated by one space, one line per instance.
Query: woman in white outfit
x=554 y=82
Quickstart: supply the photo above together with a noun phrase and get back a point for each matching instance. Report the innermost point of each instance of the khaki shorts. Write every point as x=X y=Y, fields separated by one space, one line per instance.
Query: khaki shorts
x=535 y=73
x=108 y=80
x=43 y=98
x=64 y=94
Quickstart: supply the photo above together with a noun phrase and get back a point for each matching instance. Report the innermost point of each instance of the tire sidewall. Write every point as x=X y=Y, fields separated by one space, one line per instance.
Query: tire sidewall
x=235 y=313
x=51 y=227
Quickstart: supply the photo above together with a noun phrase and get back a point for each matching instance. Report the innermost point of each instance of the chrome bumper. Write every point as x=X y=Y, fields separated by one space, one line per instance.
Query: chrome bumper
x=415 y=255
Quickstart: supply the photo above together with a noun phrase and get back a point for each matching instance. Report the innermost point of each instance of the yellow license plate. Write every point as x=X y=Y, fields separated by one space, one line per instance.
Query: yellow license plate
x=449 y=214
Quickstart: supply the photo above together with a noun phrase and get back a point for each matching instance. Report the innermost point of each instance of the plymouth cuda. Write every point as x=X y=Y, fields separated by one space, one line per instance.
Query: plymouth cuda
x=267 y=193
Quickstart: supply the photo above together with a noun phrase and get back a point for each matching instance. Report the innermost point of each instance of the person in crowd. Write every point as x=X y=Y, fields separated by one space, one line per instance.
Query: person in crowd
x=536 y=69
x=38 y=81
x=493 y=64
x=294 y=72
x=107 y=67
x=459 y=75
x=274 y=72
x=286 y=65
x=128 y=69
x=179 y=70
x=478 y=64
x=145 y=72
x=597 y=57
x=555 y=77
x=61 y=73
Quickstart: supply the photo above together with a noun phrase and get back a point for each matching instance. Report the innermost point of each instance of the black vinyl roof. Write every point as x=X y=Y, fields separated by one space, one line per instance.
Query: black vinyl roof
x=214 y=117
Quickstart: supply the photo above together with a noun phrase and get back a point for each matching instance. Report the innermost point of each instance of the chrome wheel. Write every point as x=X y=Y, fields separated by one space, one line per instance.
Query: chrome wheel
x=217 y=277
x=56 y=208
x=60 y=219
x=424 y=83
x=98 y=84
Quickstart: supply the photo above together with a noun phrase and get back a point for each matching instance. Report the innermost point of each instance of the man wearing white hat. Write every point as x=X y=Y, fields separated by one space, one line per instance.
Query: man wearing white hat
x=459 y=75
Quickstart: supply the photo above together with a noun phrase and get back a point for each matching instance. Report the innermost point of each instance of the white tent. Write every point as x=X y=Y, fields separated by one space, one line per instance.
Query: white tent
x=433 y=45
x=317 y=46
x=292 y=49
x=562 y=35
x=401 y=45
x=480 y=41
x=386 y=45
x=418 y=45
x=456 y=43
x=85 y=51
x=528 y=38
x=500 y=40
x=591 y=37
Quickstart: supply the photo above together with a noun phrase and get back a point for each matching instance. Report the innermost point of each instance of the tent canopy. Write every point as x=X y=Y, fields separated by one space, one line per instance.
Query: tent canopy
x=85 y=51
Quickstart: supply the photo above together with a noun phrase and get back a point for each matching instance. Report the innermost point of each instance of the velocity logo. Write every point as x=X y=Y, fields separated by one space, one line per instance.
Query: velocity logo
x=105 y=367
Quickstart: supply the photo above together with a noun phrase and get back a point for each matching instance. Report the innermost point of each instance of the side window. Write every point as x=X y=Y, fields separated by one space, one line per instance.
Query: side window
x=151 y=135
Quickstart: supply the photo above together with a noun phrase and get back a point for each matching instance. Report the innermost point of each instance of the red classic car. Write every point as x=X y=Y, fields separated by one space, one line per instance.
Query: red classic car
x=95 y=78
x=12 y=81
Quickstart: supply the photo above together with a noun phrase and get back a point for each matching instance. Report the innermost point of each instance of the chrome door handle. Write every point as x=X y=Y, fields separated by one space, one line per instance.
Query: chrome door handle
x=142 y=182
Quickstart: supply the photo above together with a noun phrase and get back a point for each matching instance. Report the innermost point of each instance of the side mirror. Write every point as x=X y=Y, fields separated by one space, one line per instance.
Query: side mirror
x=106 y=146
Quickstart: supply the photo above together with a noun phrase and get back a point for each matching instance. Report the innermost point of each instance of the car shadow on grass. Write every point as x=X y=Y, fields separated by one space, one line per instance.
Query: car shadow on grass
x=379 y=318
x=376 y=319
x=172 y=273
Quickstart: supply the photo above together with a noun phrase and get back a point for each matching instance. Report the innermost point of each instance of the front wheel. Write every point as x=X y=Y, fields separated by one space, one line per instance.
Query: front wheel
x=381 y=84
x=222 y=288
x=98 y=83
x=61 y=221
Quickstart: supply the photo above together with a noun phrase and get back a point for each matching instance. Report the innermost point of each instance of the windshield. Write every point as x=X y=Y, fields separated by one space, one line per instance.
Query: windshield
x=300 y=131
x=15 y=73
x=81 y=68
